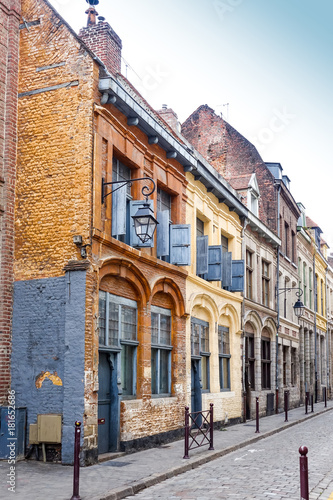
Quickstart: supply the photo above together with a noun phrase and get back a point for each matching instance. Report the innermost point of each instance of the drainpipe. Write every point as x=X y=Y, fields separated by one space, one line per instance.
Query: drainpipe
x=327 y=345
x=315 y=322
x=243 y=318
x=277 y=306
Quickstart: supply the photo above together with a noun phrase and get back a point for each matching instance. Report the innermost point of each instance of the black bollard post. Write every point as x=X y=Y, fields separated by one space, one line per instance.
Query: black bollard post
x=187 y=431
x=286 y=404
x=257 y=415
x=312 y=410
x=76 y=474
x=325 y=397
x=304 y=475
x=211 y=425
x=306 y=402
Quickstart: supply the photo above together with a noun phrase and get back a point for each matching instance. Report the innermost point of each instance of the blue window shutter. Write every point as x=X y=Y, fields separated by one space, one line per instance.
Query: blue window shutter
x=226 y=269
x=202 y=255
x=214 y=263
x=119 y=212
x=163 y=231
x=134 y=240
x=180 y=244
x=237 y=276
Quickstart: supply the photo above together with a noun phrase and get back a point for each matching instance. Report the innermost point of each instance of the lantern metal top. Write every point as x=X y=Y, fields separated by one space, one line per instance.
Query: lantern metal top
x=92 y=2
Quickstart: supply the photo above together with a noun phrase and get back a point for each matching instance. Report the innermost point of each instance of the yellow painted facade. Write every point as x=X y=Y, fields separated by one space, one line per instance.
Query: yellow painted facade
x=209 y=302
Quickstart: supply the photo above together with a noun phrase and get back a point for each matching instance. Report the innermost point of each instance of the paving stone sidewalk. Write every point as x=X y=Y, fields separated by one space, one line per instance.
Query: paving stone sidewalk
x=125 y=475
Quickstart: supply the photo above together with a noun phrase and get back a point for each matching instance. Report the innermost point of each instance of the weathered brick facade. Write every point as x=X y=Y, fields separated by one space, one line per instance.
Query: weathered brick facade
x=9 y=44
x=233 y=156
x=67 y=143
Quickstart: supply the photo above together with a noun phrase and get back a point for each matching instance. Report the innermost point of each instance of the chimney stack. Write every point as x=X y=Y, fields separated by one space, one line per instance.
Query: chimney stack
x=102 y=40
x=170 y=117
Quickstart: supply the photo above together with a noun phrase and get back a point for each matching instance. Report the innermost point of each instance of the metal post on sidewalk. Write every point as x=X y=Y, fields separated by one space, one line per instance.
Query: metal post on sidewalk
x=211 y=425
x=307 y=396
x=312 y=410
x=187 y=431
x=257 y=415
x=304 y=474
x=286 y=405
x=76 y=473
x=325 y=397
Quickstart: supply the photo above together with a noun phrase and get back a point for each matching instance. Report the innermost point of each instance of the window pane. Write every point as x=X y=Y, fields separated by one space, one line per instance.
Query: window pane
x=195 y=334
x=128 y=323
x=165 y=329
x=205 y=338
x=224 y=373
x=154 y=328
x=204 y=372
x=164 y=371
x=224 y=243
x=163 y=200
x=127 y=367
x=223 y=340
x=113 y=323
x=102 y=317
x=154 y=353
x=200 y=227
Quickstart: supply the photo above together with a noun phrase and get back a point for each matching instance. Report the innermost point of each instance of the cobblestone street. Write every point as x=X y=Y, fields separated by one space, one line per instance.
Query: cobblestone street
x=269 y=469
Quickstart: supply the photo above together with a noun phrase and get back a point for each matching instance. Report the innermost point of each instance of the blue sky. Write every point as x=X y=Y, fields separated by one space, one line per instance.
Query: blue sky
x=266 y=65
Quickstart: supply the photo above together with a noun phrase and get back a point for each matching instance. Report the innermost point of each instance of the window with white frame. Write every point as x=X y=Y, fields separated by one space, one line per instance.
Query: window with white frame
x=224 y=357
x=200 y=348
x=160 y=350
x=118 y=332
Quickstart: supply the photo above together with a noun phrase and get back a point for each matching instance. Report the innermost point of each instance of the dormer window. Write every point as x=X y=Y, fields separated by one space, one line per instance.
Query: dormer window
x=253 y=195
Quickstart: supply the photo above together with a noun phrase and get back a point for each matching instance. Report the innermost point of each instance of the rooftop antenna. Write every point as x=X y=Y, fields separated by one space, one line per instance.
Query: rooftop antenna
x=92 y=13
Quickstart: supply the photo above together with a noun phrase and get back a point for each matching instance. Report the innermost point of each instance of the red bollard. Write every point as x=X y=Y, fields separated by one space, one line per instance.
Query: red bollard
x=257 y=415
x=76 y=476
x=187 y=431
x=304 y=473
x=211 y=429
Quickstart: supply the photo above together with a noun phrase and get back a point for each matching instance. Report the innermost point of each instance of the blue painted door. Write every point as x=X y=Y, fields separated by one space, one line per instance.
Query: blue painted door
x=108 y=403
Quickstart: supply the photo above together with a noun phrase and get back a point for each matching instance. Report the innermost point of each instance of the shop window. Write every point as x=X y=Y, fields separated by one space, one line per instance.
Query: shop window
x=265 y=363
x=118 y=333
x=200 y=348
x=224 y=357
x=160 y=350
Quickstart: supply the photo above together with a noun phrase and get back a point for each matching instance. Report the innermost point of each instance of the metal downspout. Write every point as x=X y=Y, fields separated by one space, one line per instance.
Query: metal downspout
x=315 y=323
x=243 y=319
x=277 y=307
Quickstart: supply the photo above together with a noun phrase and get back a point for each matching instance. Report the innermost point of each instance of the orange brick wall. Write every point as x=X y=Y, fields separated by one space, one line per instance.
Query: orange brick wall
x=55 y=147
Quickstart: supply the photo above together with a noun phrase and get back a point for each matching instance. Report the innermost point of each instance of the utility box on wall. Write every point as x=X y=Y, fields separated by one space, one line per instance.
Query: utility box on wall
x=12 y=430
x=49 y=428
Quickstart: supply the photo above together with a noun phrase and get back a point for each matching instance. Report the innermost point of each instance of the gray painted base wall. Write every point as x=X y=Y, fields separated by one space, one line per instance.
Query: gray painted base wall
x=49 y=336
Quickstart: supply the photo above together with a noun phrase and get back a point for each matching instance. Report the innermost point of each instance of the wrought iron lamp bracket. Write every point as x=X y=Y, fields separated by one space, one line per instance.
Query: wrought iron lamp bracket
x=146 y=191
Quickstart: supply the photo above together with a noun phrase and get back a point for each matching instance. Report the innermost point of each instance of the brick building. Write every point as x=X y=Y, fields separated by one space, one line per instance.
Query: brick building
x=9 y=46
x=266 y=193
x=99 y=317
